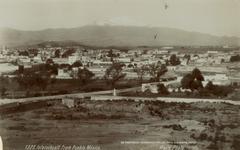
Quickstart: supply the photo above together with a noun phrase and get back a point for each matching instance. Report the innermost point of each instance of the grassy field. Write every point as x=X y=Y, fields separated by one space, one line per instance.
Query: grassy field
x=106 y=124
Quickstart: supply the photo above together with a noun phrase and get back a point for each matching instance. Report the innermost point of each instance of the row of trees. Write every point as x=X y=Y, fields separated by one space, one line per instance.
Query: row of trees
x=28 y=80
x=28 y=52
x=194 y=80
x=43 y=75
x=57 y=53
x=115 y=73
x=235 y=58
x=217 y=90
x=154 y=70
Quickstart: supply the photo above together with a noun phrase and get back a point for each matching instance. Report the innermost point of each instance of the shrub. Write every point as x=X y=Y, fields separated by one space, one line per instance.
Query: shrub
x=212 y=146
x=177 y=127
x=202 y=136
x=236 y=143
x=192 y=136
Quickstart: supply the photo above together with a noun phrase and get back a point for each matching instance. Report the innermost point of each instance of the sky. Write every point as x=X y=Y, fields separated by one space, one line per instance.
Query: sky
x=217 y=17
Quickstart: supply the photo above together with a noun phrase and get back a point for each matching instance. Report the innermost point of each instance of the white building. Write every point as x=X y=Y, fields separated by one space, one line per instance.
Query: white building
x=72 y=59
x=217 y=79
x=63 y=74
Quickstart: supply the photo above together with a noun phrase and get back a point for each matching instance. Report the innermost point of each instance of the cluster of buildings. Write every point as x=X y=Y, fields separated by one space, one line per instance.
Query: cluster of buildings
x=214 y=65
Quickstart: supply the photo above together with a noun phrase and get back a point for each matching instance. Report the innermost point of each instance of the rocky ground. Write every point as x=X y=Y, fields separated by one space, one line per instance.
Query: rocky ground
x=125 y=125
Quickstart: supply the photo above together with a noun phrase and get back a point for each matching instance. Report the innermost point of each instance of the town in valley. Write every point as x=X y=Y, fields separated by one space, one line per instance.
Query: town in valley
x=119 y=75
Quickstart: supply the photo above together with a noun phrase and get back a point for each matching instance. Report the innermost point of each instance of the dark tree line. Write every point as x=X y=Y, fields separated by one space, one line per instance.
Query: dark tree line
x=217 y=90
x=194 y=80
x=235 y=58
x=84 y=75
x=28 y=80
x=154 y=70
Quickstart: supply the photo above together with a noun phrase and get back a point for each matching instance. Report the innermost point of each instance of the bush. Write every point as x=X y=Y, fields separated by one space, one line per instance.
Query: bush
x=235 y=58
x=222 y=138
x=98 y=116
x=212 y=146
x=193 y=136
x=210 y=138
x=63 y=92
x=162 y=89
x=216 y=90
x=117 y=116
x=82 y=109
x=177 y=127
x=236 y=143
x=203 y=136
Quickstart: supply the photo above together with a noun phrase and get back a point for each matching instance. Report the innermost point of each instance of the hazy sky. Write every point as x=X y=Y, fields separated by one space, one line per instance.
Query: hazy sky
x=218 y=17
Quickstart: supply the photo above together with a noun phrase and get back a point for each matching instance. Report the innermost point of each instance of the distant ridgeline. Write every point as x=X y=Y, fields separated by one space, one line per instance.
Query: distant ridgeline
x=122 y=36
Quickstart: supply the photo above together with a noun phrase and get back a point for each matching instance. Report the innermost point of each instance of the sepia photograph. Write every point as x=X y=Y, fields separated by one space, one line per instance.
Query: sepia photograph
x=119 y=74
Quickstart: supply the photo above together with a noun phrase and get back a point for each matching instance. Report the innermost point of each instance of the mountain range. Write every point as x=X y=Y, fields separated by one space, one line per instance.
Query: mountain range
x=96 y=35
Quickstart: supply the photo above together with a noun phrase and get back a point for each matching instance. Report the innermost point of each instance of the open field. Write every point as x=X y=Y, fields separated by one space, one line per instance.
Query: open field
x=105 y=124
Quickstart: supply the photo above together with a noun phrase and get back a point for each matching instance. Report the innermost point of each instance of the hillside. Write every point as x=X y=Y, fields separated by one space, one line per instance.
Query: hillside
x=115 y=36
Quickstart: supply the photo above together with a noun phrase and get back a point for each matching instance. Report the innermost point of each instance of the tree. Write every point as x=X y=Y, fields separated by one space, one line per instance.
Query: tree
x=235 y=143
x=65 y=66
x=3 y=91
x=193 y=80
x=84 y=75
x=174 y=60
x=68 y=53
x=187 y=81
x=196 y=73
x=209 y=86
x=26 y=80
x=167 y=62
x=130 y=66
x=235 y=58
x=49 y=61
x=77 y=64
x=217 y=89
x=33 y=51
x=141 y=71
x=111 y=54
x=135 y=54
x=188 y=57
x=57 y=53
x=196 y=85
x=162 y=89
x=52 y=81
x=29 y=79
x=54 y=69
x=20 y=69
x=156 y=71
x=114 y=73
x=51 y=67
x=42 y=81
x=23 y=53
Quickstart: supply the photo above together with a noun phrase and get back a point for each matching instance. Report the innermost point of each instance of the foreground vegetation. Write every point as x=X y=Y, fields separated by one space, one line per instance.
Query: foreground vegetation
x=107 y=123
